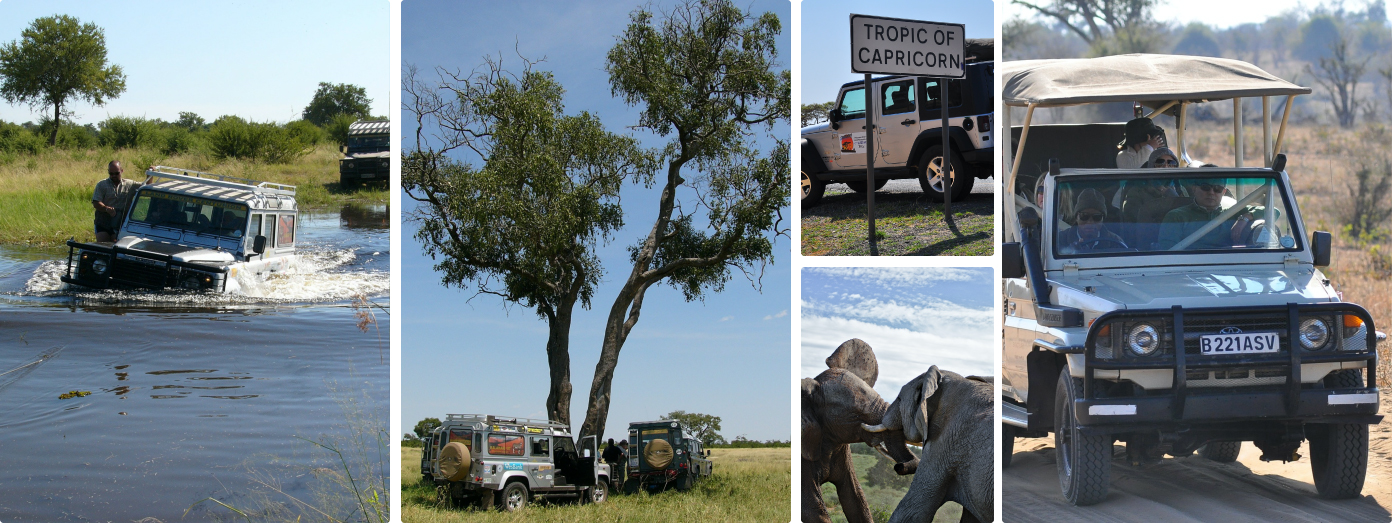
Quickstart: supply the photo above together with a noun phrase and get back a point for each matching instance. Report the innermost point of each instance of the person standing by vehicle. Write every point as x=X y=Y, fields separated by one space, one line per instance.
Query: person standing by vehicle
x=1142 y=138
x=110 y=200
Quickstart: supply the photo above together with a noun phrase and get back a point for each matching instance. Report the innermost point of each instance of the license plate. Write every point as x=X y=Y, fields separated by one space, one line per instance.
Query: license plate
x=369 y=175
x=1245 y=343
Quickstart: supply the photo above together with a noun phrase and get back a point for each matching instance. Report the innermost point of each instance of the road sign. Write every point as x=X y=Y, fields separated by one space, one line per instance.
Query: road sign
x=882 y=45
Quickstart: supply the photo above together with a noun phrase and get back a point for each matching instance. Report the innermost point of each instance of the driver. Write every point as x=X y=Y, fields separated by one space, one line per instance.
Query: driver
x=1181 y=222
x=1089 y=232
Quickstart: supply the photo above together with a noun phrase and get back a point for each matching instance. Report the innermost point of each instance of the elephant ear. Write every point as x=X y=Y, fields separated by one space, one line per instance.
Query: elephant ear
x=811 y=427
x=857 y=357
x=913 y=405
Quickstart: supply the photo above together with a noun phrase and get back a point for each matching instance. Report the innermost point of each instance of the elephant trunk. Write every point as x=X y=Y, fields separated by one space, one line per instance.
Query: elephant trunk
x=906 y=468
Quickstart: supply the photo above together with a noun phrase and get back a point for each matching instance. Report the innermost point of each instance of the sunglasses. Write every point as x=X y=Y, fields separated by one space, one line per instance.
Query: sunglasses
x=1213 y=188
x=1090 y=216
x=1167 y=161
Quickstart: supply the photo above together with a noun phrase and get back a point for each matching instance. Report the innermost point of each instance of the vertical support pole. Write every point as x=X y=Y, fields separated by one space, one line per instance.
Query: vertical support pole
x=948 y=172
x=870 y=153
x=1007 y=192
x=1267 y=157
x=1237 y=131
x=1181 y=122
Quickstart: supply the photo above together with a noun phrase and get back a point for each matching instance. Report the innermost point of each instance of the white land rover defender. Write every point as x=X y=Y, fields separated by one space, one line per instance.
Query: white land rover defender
x=192 y=230
x=1170 y=309
x=494 y=462
x=908 y=118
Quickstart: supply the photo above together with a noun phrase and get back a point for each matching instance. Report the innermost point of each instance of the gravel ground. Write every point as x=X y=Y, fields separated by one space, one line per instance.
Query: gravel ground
x=909 y=223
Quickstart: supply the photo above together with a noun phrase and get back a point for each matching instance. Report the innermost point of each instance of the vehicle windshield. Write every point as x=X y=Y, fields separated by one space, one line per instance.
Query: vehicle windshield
x=369 y=143
x=200 y=215
x=1184 y=213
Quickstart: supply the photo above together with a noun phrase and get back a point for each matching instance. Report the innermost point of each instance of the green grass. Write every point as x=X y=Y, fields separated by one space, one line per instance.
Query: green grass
x=746 y=485
x=46 y=198
x=906 y=224
x=882 y=500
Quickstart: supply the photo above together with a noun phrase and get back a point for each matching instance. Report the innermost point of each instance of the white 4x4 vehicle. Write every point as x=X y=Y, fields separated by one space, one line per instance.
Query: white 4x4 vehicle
x=1192 y=316
x=908 y=117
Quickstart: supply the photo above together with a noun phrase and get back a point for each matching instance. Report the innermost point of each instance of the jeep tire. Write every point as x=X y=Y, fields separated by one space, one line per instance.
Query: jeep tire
x=812 y=190
x=1221 y=451
x=685 y=481
x=631 y=486
x=1084 y=460
x=1339 y=451
x=515 y=497
x=929 y=175
x=1007 y=444
x=859 y=187
x=599 y=492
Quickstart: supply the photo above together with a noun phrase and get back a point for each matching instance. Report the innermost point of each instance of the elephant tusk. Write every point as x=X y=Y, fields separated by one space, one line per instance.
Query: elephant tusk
x=873 y=428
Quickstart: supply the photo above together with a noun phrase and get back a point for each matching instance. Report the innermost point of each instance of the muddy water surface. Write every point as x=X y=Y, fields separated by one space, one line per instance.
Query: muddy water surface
x=195 y=396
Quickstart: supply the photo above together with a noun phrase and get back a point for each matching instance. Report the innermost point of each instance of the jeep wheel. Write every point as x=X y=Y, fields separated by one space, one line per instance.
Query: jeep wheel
x=859 y=187
x=599 y=492
x=1221 y=451
x=515 y=497
x=1084 y=460
x=1339 y=451
x=930 y=173
x=812 y=190
x=1007 y=444
x=684 y=482
x=631 y=487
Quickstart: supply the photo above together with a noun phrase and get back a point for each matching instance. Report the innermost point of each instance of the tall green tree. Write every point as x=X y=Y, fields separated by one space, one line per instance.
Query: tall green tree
x=423 y=427
x=1108 y=26
x=523 y=223
x=705 y=427
x=707 y=78
x=56 y=60
x=331 y=100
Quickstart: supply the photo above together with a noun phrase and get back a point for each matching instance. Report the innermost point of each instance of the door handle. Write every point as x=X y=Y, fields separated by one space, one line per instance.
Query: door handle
x=907 y=122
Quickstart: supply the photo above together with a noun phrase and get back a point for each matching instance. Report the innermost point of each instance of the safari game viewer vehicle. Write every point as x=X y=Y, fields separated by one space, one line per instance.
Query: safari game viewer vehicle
x=367 y=155
x=1195 y=317
x=908 y=117
x=192 y=230
x=662 y=454
x=489 y=461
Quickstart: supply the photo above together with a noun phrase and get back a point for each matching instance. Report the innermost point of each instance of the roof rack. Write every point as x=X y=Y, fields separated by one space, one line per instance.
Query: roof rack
x=175 y=173
x=489 y=418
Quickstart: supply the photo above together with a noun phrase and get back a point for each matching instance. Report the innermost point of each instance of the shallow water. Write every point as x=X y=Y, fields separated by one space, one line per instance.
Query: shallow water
x=193 y=395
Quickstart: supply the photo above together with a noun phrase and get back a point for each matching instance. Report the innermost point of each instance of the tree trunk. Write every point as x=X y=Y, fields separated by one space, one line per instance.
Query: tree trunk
x=53 y=136
x=615 y=332
x=558 y=359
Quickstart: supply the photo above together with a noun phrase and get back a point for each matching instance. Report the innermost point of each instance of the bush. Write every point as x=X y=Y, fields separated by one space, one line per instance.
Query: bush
x=232 y=137
x=178 y=140
x=125 y=132
x=307 y=133
x=17 y=139
x=337 y=128
x=72 y=136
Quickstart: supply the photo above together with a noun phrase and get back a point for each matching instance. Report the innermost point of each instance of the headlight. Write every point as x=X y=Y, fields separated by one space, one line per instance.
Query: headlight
x=1314 y=333
x=1104 y=342
x=99 y=266
x=1143 y=340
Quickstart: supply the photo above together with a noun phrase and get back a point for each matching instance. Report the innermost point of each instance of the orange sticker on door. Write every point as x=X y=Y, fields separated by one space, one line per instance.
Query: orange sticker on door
x=853 y=143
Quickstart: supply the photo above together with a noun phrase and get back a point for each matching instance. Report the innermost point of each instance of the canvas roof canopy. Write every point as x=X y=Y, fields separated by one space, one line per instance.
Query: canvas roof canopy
x=1143 y=78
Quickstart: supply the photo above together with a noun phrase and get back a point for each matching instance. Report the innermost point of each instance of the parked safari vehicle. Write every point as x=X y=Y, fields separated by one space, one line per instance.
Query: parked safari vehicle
x=1194 y=317
x=489 y=461
x=662 y=454
x=367 y=155
x=192 y=230
x=908 y=114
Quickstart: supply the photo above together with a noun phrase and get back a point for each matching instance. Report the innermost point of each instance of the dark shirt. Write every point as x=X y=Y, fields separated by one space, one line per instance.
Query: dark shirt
x=1069 y=241
x=613 y=454
x=1183 y=221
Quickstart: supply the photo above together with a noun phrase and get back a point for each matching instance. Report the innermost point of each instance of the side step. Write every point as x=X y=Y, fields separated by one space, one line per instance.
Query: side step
x=1014 y=415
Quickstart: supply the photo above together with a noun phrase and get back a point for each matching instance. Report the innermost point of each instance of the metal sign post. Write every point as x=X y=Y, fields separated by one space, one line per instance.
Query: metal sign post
x=882 y=45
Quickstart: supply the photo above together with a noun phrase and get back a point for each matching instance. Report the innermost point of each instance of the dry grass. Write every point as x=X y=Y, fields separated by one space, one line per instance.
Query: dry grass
x=46 y=198
x=747 y=485
x=1321 y=161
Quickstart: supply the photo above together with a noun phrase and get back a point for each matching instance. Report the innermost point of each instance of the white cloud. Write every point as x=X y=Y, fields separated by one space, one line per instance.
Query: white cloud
x=727 y=318
x=779 y=315
x=899 y=276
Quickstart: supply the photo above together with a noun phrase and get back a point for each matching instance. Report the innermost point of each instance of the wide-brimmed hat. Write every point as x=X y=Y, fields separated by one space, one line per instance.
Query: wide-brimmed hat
x=1140 y=130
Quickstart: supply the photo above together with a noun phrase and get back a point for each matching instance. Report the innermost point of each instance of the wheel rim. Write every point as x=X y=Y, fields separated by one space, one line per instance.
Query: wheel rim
x=806 y=185
x=599 y=493
x=514 y=500
x=935 y=174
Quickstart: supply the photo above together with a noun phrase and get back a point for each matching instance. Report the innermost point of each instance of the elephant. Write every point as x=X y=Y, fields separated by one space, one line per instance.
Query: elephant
x=837 y=406
x=952 y=417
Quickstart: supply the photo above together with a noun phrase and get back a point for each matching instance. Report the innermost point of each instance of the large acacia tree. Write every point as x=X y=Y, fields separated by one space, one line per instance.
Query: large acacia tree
x=58 y=59
x=707 y=78
x=514 y=195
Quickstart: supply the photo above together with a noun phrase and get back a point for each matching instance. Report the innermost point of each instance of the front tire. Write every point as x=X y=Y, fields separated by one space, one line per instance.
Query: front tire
x=1339 y=451
x=1084 y=460
x=599 y=492
x=1221 y=451
x=812 y=190
x=930 y=173
x=515 y=497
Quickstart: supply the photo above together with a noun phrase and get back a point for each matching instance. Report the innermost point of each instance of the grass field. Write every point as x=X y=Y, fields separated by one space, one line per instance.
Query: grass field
x=908 y=222
x=46 y=198
x=747 y=485
x=881 y=498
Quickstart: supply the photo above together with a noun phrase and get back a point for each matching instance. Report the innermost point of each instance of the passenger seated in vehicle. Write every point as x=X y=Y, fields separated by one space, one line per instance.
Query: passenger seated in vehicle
x=1142 y=138
x=232 y=224
x=1162 y=158
x=901 y=104
x=1089 y=233
x=1208 y=203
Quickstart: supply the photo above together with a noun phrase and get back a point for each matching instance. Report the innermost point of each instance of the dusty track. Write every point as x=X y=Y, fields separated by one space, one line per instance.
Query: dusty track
x=1196 y=489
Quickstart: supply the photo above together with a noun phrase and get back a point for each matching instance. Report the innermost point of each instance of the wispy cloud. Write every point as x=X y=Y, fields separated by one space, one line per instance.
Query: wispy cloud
x=781 y=314
x=727 y=318
x=900 y=276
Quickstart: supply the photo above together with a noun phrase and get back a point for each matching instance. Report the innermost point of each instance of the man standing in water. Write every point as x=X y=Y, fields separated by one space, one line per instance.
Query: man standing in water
x=110 y=200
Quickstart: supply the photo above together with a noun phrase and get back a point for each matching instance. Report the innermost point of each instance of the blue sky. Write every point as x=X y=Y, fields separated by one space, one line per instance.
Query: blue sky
x=727 y=356
x=1214 y=14
x=260 y=60
x=912 y=317
x=826 y=35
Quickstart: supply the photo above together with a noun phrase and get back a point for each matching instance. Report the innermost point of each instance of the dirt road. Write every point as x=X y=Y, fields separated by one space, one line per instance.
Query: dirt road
x=1196 y=489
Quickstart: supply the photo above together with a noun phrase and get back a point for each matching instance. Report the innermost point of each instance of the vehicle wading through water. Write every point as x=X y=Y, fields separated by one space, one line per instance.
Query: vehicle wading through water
x=1173 y=310
x=192 y=230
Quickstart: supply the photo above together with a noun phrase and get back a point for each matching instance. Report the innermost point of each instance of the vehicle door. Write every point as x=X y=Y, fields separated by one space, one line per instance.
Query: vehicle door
x=896 y=121
x=572 y=465
x=849 y=150
x=540 y=469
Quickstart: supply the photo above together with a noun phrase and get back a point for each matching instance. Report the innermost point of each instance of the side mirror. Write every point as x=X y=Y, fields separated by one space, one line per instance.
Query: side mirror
x=1320 y=246
x=1012 y=260
x=834 y=115
x=343 y=149
x=258 y=245
x=707 y=453
x=586 y=453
